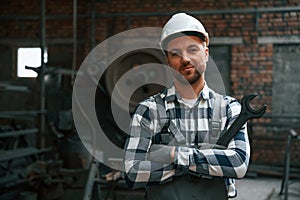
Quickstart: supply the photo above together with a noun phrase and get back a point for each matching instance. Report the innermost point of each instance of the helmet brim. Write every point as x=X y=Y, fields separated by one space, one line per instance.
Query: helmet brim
x=166 y=40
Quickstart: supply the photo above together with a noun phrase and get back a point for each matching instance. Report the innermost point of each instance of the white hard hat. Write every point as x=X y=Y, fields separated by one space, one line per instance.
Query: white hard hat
x=181 y=23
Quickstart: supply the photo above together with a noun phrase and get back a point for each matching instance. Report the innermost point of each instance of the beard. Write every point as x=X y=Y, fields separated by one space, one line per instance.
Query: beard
x=191 y=80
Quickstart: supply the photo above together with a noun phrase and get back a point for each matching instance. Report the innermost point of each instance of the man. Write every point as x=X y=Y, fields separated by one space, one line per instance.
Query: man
x=168 y=157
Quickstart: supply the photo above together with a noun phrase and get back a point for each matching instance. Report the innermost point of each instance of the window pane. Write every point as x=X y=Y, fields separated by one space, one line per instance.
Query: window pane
x=30 y=57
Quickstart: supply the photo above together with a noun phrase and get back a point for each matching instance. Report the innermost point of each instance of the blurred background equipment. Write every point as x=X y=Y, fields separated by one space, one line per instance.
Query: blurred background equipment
x=254 y=44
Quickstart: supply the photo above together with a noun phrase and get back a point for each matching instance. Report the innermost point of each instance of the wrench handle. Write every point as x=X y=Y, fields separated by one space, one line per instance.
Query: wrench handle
x=233 y=129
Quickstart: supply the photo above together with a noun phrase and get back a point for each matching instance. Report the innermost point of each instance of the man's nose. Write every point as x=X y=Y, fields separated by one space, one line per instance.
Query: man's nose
x=185 y=57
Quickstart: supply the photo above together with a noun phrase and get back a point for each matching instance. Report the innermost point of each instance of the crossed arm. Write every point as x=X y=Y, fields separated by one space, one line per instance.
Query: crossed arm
x=142 y=171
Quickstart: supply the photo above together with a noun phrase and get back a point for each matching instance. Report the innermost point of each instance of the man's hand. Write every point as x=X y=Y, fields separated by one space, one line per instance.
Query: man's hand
x=161 y=153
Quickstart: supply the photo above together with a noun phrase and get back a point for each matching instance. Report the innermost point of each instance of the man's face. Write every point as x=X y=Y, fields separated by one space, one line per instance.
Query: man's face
x=188 y=56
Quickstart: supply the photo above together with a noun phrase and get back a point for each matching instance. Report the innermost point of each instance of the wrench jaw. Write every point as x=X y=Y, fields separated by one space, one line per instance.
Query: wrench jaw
x=261 y=111
x=246 y=107
x=246 y=113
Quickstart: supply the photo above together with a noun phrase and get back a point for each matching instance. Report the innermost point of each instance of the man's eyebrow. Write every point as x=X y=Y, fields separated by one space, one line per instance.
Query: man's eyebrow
x=173 y=49
x=178 y=49
x=193 y=45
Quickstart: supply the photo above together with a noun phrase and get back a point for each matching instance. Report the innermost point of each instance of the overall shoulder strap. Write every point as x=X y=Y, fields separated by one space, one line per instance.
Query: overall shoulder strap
x=163 y=117
x=216 y=118
x=166 y=122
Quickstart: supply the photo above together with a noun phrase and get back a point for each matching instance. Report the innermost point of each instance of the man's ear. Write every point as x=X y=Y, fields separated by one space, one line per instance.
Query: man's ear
x=206 y=54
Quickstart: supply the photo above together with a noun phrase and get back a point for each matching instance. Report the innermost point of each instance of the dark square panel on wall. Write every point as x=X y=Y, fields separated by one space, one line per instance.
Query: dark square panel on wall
x=286 y=82
x=220 y=57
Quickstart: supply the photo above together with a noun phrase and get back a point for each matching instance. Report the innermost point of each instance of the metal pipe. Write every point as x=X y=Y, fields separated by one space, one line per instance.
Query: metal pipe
x=93 y=17
x=74 y=40
x=88 y=190
x=196 y=12
x=205 y=12
x=41 y=78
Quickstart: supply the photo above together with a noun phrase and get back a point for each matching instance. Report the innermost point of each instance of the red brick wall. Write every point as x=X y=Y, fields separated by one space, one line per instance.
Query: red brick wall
x=251 y=62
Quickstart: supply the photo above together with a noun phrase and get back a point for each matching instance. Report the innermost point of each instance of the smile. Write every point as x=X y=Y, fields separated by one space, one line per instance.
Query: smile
x=187 y=68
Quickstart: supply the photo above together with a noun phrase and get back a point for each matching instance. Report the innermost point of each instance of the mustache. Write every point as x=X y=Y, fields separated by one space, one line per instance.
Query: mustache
x=189 y=65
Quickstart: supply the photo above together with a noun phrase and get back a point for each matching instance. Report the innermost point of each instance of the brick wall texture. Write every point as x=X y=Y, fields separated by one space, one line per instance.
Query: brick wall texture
x=251 y=61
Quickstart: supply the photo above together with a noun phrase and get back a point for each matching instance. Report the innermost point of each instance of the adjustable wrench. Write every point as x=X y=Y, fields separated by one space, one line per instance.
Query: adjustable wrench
x=247 y=112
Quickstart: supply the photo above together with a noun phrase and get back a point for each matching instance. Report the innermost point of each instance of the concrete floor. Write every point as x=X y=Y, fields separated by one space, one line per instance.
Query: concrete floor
x=258 y=188
x=265 y=188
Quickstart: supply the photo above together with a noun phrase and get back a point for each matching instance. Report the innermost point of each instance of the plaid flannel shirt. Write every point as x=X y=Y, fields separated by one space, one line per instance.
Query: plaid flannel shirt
x=231 y=162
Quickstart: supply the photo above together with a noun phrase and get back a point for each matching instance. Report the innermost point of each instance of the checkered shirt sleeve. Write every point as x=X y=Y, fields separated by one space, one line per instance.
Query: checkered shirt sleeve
x=231 y=162
x=139 y=171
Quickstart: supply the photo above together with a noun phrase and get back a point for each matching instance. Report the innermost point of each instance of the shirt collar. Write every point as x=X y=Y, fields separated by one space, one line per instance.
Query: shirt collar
x=205 y=92
x=172 y=95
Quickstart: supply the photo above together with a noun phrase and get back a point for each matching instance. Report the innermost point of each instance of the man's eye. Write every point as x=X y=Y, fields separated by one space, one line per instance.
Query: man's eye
x=174 y=54
x=193 y=50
